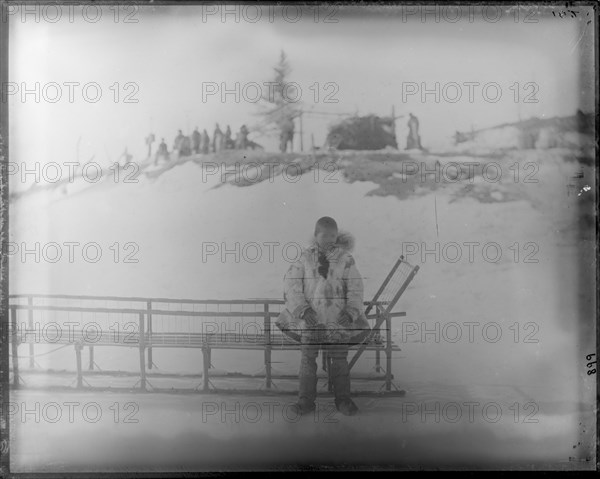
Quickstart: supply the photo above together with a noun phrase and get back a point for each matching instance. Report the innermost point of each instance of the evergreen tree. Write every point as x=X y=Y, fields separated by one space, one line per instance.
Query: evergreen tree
x=280 y=100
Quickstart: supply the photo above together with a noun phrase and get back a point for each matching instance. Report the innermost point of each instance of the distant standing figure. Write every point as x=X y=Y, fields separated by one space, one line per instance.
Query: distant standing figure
x=228 y=142
x=186 y=147
x=287 y=135
x=583 y=122
x=241 y=142
x=205 y=142
x=162 y=153
x=178 y=143
x=196 y=137
x=149 y=140
x=413 y=140
x=217 y=141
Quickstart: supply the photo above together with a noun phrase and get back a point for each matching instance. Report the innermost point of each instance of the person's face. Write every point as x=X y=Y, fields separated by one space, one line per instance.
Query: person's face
x=326 y=237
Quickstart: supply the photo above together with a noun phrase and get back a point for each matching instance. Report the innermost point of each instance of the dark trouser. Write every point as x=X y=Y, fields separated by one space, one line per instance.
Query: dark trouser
x=340 y=374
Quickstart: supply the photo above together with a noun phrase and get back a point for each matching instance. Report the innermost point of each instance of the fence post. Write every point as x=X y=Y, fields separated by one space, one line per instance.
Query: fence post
x=15 y=345
x=30 y=326
x=267 y=335
x=149 y=307
x=142 y=354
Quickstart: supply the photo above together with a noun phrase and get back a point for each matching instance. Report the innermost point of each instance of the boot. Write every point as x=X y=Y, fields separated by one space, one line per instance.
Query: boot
x=340 y=376
x=302 y=407
x=347 y=407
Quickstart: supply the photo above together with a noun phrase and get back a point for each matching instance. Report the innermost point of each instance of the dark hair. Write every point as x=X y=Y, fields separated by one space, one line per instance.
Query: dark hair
x=325 y=222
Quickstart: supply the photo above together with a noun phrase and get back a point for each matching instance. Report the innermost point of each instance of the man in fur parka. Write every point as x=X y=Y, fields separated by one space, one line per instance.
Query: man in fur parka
x=323 y=294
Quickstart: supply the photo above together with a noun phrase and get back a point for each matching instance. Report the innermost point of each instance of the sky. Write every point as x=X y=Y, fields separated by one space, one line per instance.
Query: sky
x=151 y=74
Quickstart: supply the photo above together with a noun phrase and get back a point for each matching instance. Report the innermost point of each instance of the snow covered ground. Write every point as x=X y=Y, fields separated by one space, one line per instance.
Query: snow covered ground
x=182 y=432
x=513 y=331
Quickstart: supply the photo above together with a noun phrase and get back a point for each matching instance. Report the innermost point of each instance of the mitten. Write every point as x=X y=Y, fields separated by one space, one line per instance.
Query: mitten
x=310 y=316
x=345 y=319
